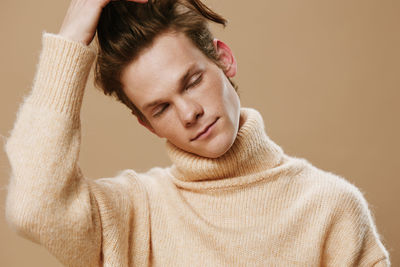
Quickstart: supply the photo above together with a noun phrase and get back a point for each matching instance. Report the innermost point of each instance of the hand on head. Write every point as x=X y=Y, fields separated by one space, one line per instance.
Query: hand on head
x=81 y=19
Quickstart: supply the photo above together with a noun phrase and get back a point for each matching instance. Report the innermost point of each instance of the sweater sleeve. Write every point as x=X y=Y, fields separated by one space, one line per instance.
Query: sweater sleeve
x=49 y=201
x=352 y=238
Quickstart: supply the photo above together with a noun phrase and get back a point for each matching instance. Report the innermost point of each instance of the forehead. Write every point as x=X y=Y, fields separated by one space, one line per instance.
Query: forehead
x=160 y=66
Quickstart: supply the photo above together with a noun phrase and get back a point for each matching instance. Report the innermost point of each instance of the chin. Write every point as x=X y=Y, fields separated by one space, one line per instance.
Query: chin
x=219 y=147
x=216 y=154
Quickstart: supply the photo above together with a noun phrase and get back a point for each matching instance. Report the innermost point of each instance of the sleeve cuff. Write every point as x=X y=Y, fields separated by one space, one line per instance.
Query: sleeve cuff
x=61 y=74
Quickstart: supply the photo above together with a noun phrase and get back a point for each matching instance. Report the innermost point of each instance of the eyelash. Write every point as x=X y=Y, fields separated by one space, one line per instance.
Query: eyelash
x=161 y=111
x=197 y=81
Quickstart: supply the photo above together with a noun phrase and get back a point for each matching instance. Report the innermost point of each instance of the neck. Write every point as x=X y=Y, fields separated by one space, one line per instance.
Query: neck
x=251 y=152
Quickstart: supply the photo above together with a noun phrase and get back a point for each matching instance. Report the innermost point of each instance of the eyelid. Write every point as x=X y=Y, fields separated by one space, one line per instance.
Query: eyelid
x=199 y=76
x=164 y=106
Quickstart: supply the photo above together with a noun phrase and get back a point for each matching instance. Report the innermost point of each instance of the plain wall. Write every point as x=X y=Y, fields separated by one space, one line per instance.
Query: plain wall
x=325 y=75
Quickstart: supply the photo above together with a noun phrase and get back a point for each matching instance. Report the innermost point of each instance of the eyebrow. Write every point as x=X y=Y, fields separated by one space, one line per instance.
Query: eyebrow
x=182 y=82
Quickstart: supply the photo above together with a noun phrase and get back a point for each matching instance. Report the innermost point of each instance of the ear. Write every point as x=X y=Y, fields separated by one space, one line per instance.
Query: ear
x=145 y=124
x=226 y=57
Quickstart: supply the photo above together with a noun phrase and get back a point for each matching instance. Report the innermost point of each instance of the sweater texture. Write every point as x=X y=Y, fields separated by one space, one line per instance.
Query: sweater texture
x=253 y=206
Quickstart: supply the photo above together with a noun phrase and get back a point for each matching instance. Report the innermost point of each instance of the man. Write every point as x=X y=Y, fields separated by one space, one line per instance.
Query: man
x=232 y=197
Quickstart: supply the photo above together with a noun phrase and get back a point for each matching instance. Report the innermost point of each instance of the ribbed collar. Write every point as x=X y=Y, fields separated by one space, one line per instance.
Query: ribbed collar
x=252 y=152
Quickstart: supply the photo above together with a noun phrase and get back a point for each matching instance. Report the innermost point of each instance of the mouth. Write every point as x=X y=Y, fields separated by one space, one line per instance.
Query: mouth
x=204 y=131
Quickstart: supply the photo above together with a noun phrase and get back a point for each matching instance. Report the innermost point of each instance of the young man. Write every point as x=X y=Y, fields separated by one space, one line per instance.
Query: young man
x=232 y=197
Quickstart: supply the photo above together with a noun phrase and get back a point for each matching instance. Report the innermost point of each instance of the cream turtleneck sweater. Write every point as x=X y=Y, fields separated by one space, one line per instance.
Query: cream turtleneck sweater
x=254 y=206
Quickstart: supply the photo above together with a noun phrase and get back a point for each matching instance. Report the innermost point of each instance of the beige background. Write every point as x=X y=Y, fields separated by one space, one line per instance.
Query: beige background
x=324 y=74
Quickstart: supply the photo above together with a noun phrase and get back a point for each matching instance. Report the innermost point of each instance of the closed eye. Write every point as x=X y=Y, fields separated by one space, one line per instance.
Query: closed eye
x=197 y=81
x=158 y=113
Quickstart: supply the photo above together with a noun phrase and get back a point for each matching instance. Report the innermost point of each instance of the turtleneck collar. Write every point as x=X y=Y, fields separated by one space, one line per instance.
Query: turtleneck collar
x=252 y=152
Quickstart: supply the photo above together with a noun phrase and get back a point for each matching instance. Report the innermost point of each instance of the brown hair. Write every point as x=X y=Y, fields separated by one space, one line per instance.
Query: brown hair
x=126 y=28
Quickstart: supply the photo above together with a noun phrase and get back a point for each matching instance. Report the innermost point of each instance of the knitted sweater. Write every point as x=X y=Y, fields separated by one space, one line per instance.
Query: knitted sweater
x=253 y=206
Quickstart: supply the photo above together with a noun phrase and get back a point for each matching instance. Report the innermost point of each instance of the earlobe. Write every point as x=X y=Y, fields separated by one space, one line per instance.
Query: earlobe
x=226 y=57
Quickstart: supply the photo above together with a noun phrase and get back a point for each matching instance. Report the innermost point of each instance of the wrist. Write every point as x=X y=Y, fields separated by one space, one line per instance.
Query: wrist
x=72 y=37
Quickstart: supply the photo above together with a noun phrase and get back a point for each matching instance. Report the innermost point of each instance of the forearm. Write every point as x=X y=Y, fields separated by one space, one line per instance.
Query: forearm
x=61 y=75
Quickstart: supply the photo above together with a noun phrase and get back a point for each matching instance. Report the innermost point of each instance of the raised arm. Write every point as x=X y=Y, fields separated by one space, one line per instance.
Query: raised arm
x=49 y=201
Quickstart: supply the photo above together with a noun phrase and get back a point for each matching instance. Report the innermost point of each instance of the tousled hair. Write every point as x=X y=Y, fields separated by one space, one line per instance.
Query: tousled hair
x=127 y=28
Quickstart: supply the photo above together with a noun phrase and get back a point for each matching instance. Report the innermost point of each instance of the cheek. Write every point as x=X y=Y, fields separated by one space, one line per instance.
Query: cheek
x=230 y=103
x=216 y=90
x=226 y=95
x=168 y=127
x=231 y=98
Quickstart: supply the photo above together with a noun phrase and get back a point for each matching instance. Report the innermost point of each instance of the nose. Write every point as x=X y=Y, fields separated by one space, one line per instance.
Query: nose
x=189 y=111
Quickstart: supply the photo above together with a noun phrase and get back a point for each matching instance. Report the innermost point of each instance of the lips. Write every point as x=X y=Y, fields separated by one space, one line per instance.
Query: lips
x=204 y=130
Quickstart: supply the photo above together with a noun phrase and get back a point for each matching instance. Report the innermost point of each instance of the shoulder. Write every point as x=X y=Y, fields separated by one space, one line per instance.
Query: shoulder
x=155 y=177
x=130 y=181
x=124 y=182
x=336 y=191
